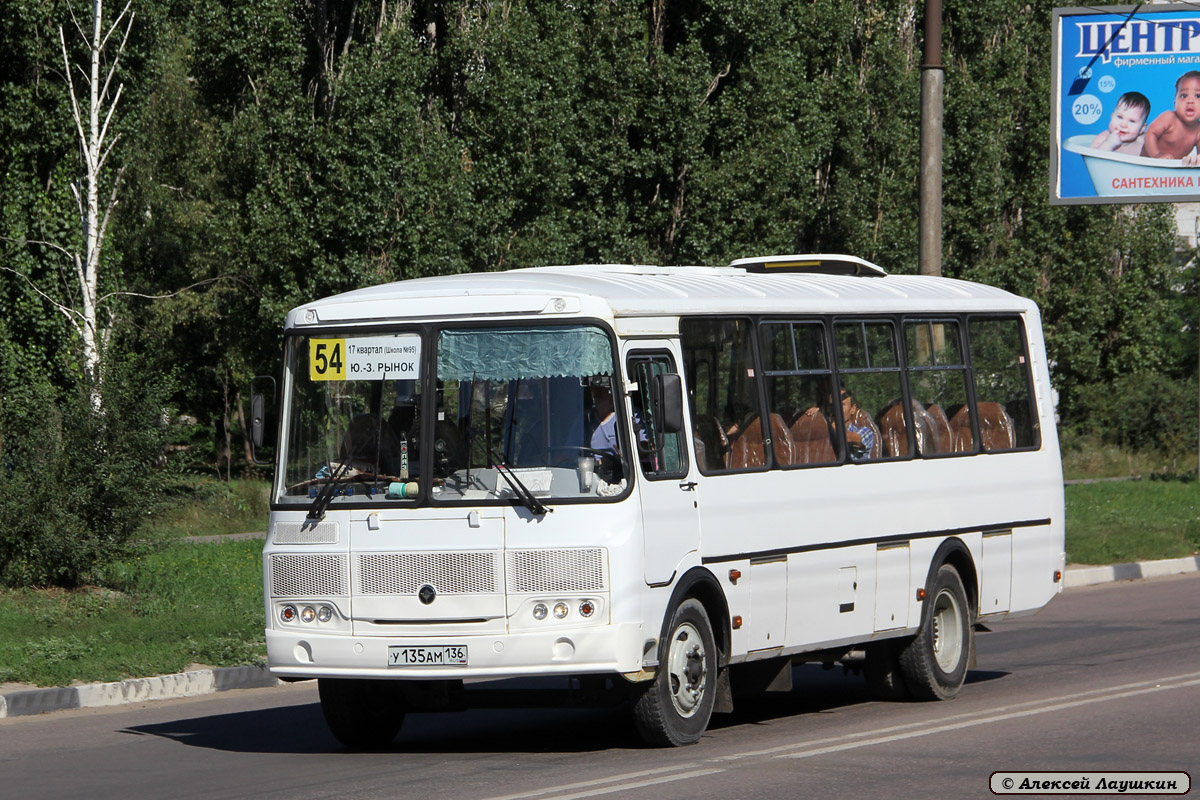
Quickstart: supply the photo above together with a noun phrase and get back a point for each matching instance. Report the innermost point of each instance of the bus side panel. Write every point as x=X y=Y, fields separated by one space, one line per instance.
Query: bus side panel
x=831 y=595
x=1034 y=561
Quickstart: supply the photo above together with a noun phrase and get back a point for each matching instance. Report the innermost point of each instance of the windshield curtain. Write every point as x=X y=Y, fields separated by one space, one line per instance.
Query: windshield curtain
x=522 y=354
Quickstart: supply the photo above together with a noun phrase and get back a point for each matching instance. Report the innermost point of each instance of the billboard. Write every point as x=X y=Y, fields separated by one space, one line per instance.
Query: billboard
x=1125 y=104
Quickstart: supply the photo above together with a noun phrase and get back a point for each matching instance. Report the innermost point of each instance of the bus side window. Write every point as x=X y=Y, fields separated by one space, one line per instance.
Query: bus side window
x=869 y=375
x=937 y=376
x=1007 y=416
x=660 y=454
x=729 y=433
x=799 y=383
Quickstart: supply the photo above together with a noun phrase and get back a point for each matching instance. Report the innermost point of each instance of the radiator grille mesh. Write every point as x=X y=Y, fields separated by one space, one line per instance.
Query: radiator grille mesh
x=296 y=533
x=471 y=572
x=568 y=571
x=308 y=575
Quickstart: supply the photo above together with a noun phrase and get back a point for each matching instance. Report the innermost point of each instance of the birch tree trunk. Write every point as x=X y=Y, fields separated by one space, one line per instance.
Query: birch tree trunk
x=92 y=127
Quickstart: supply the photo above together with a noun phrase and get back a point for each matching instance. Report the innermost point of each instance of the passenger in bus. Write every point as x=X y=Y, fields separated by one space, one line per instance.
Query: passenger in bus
x=604 y=441
x=862 y=436
x=604 y=437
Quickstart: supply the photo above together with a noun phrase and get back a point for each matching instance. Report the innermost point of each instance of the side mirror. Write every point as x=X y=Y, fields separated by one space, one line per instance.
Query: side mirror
x=666 y=397
x=262 y=402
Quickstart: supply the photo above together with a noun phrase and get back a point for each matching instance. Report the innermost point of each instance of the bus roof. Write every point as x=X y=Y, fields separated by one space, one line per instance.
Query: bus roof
x=620 y=290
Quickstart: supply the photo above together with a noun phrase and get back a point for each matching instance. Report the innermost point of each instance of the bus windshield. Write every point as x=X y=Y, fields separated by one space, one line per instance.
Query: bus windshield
x=527 y=410
x=521 y=414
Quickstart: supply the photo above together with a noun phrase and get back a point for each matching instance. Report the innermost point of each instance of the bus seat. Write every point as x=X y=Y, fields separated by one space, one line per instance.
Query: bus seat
x=942 y=436
x=781 y=441
x=892 y=430
x=996 y=429
x=924 y=430
x=712 y=445
x=961 y=437
x=810 y=439
x=746 y=450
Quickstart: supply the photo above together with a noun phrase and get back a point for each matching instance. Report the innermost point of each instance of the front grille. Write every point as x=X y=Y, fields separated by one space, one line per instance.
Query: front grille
x=303 y=533
x=565 y=571
x=308 y=575
x=469 y=572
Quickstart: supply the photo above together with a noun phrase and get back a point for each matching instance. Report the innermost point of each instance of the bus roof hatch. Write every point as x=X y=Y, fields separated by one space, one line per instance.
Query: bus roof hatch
x=812 y=264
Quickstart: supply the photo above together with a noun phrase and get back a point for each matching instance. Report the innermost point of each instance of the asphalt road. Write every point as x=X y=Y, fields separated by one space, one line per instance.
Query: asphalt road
x=1105 y=678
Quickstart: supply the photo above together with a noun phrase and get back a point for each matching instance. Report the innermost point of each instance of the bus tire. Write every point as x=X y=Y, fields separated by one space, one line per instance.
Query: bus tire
x=361 y=714
x=934 y=662
x=674 y=708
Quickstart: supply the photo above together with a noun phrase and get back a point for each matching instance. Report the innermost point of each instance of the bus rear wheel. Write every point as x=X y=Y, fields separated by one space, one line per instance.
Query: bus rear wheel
x=934 y=662
x=674 y=708
x=362 y=714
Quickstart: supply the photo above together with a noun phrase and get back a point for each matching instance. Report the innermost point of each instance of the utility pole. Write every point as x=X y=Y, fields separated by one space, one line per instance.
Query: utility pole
x=930 y=180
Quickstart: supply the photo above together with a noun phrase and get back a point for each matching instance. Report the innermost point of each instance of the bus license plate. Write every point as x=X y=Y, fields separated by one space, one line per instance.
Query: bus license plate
x=453 y=655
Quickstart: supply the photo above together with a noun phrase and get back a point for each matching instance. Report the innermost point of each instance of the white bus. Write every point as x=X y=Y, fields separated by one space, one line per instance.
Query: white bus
x=661 y=485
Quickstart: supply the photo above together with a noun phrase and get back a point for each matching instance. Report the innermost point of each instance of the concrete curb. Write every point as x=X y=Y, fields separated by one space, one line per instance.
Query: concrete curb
x=135 y=690
x=1088 y=576
x=208 y=681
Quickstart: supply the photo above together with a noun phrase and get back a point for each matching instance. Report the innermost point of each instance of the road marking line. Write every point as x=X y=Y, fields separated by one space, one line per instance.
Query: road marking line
x=622 y=787
x=965 y=716
x=625 y=776
x=986 y=720
x=628 y=780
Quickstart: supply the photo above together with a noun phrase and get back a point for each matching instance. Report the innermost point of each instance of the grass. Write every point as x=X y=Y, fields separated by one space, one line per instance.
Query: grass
x=190 y=603
x=201 y=602
x=1111 y=523
x=1086 y=457
x=206 y=507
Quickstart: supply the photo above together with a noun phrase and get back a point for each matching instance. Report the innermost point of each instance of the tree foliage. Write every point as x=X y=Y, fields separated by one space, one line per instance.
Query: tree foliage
x=278 y=151
x=79 y=481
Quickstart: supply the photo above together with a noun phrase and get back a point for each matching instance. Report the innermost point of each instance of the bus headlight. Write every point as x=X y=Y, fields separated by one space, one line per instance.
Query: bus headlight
x=308 y=614
x=324 y=614
x=560 y=610
x=587 y=608
x=288 y=613
x=539 y=611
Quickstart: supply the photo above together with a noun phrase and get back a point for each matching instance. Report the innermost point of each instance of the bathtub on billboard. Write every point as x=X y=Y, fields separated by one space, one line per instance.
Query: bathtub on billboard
x=1120 y=175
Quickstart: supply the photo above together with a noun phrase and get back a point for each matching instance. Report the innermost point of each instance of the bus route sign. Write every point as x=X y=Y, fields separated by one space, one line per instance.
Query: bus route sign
x=365 y=358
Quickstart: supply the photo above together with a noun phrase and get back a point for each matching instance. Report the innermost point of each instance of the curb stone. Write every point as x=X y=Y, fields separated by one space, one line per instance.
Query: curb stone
x=207 y=681
x=135 y=690
x=1078 y=575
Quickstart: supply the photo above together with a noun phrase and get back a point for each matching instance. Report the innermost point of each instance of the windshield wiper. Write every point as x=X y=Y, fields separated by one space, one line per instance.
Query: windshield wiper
x=519 y=489
x=316 y=511
x=522 y=491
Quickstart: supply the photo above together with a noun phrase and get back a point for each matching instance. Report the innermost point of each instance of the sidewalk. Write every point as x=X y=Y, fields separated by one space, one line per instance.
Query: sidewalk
x=22 y=702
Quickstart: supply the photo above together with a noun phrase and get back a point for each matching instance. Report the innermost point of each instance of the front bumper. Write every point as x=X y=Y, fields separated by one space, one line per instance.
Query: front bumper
x=600 y=649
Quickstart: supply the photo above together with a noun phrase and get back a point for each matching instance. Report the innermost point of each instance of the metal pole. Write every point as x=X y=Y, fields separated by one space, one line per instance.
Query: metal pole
x=930 y=202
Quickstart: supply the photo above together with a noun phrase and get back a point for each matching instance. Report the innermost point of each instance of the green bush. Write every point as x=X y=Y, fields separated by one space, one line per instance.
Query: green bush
x=1142 y=412
x=80 y=483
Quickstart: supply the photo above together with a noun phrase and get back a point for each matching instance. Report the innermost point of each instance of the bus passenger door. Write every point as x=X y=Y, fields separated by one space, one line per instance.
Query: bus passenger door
x=670 y=516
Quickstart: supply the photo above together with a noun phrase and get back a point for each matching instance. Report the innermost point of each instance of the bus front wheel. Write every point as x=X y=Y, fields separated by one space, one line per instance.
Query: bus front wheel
x=362 y=714
x=674 y=708
x=934 y=662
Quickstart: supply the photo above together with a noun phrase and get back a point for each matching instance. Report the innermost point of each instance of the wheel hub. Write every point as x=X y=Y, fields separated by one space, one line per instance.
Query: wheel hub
x=687 y=667
x=947 y=631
